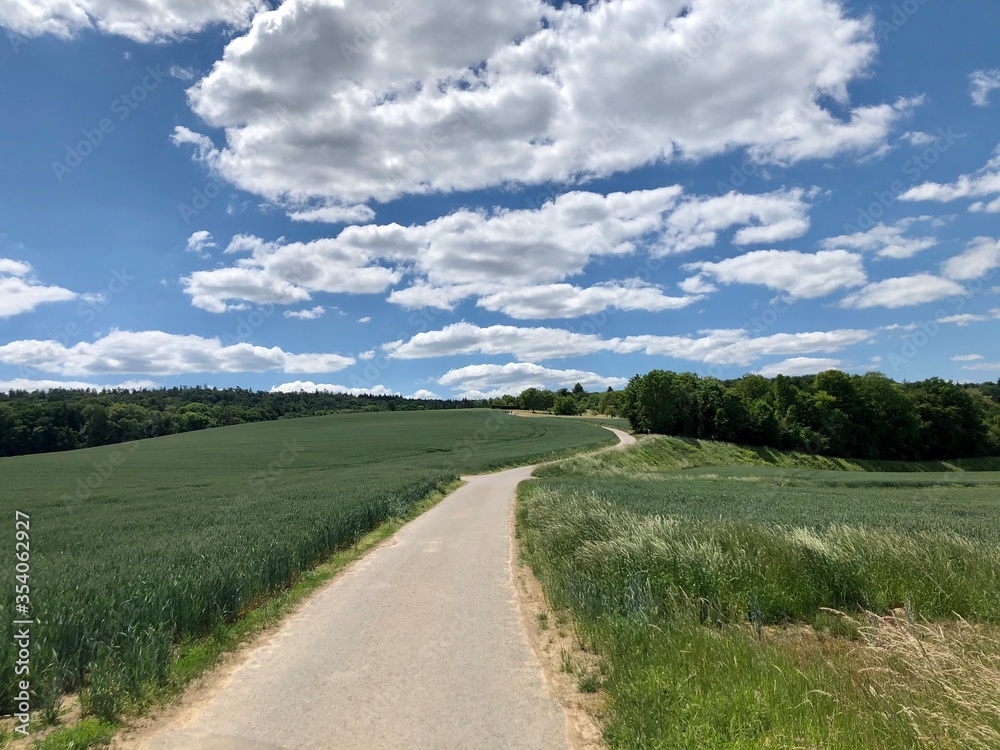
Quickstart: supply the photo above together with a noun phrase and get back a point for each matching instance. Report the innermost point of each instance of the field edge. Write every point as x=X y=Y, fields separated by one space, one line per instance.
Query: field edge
x=197 y=660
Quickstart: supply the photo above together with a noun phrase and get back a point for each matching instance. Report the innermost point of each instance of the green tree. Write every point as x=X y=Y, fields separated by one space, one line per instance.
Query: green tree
x=537 y=400
x=566 y=406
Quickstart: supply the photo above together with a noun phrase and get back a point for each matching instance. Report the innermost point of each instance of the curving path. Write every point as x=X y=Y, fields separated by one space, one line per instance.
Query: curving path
x=417 y=645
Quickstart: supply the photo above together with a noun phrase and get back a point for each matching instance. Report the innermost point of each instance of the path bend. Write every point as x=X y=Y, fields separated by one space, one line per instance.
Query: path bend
x=419 y=645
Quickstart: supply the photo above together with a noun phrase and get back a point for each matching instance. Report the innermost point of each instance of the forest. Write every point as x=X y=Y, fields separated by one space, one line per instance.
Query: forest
x=833 y=413
x=59 y=420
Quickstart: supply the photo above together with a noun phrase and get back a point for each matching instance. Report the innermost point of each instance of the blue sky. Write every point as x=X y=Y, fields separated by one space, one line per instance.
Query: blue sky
x=470 y=199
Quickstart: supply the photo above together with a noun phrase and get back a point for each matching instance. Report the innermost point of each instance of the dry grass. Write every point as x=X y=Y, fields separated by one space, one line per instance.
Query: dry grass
x=947 y=677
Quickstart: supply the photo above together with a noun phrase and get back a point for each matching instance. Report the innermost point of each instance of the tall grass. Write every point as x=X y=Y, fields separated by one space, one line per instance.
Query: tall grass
x=710 y=598
x=606 y=560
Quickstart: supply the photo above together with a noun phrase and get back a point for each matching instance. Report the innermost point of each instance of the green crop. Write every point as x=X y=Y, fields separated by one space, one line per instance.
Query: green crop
x=137 y=547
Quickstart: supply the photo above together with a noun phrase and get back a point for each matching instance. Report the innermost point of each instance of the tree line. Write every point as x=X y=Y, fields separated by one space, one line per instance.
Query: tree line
x=59 y=419
x=852 y=416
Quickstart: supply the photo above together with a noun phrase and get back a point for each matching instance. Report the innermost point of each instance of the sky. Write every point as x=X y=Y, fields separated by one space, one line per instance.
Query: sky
x=463 y=199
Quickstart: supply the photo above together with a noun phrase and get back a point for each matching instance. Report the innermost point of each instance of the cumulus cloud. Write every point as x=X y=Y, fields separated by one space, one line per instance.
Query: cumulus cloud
x=918 y=138
x=338 y=103
x=307 y=386
x=903 y=292
x=491 y=381
x=722 y=347
x=200 y=243
x=799 y=275
x=276 y=272
x=968 y=358
x=981 y=257
x=982 y=83
x=963 y=319
x=423 y=393
x=27 y=384
x=524 y=343
x=549 y=301
x=506 y=257
x=159 y=353
x=21 y=293
x=139 y=20
x=885 y=240
x=984 y=367
x=309 y=314
x=772 y=217
x=800 y=366
x=984 y=183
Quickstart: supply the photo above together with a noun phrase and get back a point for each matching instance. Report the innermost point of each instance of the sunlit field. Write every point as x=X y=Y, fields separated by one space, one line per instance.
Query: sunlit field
x=138 y=547
x=777 y=604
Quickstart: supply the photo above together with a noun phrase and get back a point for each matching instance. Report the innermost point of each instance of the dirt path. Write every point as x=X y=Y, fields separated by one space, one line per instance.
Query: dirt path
x=418 y=645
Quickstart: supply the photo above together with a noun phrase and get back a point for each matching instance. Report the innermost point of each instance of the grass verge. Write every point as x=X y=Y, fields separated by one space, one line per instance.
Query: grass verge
x=657 y=453
x=717 y=599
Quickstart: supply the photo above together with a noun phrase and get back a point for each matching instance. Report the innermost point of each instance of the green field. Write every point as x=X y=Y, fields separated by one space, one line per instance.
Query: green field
x=137 y=547
x=709 y=593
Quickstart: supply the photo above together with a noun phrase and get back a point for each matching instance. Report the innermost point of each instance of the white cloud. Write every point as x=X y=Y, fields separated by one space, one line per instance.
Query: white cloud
x=903 y=292
x=200 y=243
x=308 y=314
x=9 y=266
x=963 y=319
x=20 y=293
x=885 y=240
x=800 y=366
x=25 y=384
x=918 y=138
x=736 y=347
x=500 y=255
x=424 y=394
x=490 y=381
x=968 y=358
x=772 y=217
x=159 y=353
x=981 y=257
x=982 y=83
x=307 y=386
x=334 y=214
x=723 y=347
x=697 y=285
x=984 y=366
x=549 y=301
x=982 y=183
x=139 y=20
x=524 y=343
x=285 y=274
x=181 y=73
x=365 y=319
x=458 y=96
x=532 y=245
x=799 y=275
